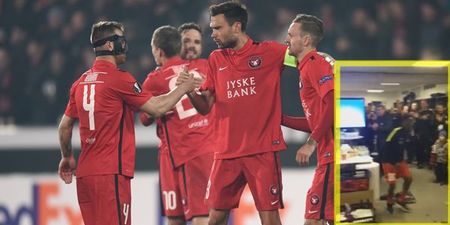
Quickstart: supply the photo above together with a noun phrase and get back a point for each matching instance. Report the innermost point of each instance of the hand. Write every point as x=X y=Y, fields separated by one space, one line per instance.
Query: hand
x=182 y=76
x=304 y=153
x=198 y=81
x=66 y=169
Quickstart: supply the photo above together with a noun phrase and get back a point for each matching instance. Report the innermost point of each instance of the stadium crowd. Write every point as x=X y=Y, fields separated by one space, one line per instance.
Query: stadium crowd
x=43 y=44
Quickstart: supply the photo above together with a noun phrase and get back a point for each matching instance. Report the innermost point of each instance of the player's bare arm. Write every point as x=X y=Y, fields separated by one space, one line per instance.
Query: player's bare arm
x=305 y=152
x=326 y=122
x=202 y=102
x=67 y=164
x=159 y=105
x=296 y=123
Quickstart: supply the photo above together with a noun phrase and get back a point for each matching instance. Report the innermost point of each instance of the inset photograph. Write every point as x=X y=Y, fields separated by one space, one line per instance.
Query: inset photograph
x=391 y=148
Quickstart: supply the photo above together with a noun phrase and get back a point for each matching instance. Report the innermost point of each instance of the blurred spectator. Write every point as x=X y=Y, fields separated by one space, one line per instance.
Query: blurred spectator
x=425 y=132
x=430 y=26
x=34 y=33
x=430 y=53
x=6 y=89
x=381 y=127
x=440 y=118
x=440 y=148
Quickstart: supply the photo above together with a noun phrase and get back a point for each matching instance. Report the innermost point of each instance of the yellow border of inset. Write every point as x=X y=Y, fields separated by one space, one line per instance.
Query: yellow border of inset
x=337 y=142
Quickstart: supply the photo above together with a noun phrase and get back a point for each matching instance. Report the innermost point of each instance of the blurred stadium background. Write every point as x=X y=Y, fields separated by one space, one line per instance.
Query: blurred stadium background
x=44 y=46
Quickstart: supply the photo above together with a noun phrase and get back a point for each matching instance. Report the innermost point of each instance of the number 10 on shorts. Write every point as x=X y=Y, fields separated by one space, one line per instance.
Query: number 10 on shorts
x=170 y=200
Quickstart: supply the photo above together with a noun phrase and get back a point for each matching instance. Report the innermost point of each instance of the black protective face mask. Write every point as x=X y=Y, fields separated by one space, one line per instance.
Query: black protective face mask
x=120 y=45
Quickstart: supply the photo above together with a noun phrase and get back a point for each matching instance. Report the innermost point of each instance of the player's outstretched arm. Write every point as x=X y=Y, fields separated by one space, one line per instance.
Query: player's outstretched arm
x=159 y=105
x=296 y=123
x=202 y=102
x=67 y=164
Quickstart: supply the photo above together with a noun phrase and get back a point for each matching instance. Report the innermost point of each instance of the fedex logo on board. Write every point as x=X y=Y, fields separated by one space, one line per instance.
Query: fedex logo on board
x=42 y=210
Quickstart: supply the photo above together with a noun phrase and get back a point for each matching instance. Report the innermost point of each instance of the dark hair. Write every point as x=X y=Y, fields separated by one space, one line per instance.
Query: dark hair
x=168 y=39
x=311 y=25
x=381 y=106
x=104 y=29
x=233 y=12
x=189 y=26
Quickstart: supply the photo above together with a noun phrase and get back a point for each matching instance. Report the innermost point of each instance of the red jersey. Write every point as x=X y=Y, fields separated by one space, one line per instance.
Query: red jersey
x=103 y=99
x=246 y=85
x=185 y=134
x=316 y=80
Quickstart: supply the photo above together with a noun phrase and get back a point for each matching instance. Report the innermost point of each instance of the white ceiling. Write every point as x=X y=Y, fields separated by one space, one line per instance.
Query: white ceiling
x=364 y=78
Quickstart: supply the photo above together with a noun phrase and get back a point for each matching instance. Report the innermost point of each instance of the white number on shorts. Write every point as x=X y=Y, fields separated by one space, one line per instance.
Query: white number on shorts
x=126 y=211
x=170 y=198
x=89 y=107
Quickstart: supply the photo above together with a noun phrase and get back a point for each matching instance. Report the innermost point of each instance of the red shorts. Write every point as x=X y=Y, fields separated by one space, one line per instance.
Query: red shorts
x=261 y=172
x=194 y=178
x=183 y=189
x=105 y=199
x=320 y=197
x=392 y=172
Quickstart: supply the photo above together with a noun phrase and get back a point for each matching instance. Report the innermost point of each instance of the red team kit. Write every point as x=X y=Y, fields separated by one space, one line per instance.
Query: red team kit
x=203 y=159
x=107 y=159
x=187 y=143
x=316 y=81
x=246 y=85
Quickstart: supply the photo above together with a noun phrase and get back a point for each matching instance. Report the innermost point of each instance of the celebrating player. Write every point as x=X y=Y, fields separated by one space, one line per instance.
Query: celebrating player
x=191 y=41
x=317 y=98
x=103 y=100
x=244 y=85
x=187 y=142
x=395 y=166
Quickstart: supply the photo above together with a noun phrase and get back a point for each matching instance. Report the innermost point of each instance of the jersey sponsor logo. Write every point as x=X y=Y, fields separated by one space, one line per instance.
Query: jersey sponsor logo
x=241 y=87
x=314 y=211
x=274 y=202
x=325 y=79
x=137 y=88
x=273 y=190
x=201 y=123
x=314 y=200
x=254 y=62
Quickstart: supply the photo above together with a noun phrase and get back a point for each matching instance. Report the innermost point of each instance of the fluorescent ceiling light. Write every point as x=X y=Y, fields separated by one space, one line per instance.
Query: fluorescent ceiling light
x=390 y=84
x=375 y=91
